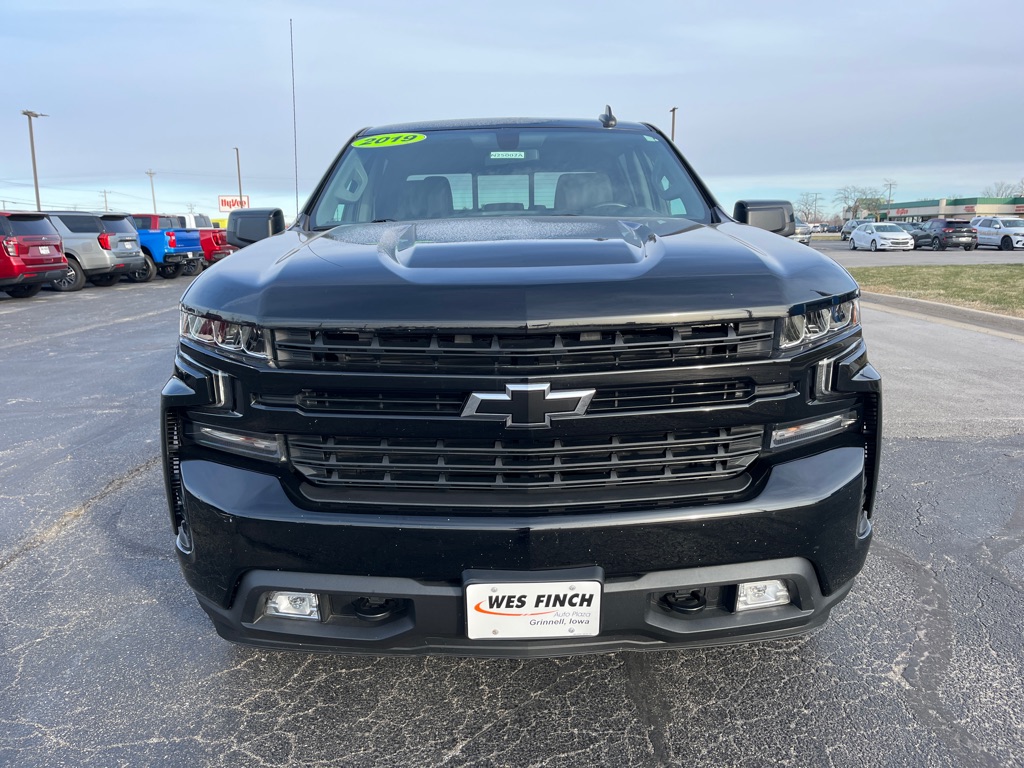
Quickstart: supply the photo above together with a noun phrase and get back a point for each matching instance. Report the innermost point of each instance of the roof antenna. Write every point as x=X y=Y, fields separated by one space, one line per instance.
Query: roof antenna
x=607 y=119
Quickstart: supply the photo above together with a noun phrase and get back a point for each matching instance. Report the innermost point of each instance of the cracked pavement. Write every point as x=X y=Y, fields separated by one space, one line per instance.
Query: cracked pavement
x=106 y=659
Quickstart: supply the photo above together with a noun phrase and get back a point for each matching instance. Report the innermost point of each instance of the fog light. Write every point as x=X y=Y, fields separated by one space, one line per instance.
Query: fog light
x=761 y=594
x=794 y=434
x=252 y=444
x=293 y=605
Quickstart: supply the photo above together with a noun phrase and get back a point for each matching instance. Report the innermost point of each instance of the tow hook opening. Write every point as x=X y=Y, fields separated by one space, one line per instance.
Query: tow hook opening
x=375 y=608
x=686 y=602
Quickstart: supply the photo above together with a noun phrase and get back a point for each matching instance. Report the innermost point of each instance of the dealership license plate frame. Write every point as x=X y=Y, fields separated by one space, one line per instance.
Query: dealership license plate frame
x=555 y=605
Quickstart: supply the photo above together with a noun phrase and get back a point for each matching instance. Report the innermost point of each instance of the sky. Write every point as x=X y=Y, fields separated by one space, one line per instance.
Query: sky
x=775 y=99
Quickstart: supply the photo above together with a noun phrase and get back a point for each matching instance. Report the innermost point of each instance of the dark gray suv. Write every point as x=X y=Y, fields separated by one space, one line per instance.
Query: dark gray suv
x=100 y=247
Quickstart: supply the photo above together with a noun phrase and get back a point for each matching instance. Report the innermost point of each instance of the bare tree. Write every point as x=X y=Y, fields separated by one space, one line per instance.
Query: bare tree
x=1000 y=189
x=806 y=206
x=846 y=198
x=855 y=199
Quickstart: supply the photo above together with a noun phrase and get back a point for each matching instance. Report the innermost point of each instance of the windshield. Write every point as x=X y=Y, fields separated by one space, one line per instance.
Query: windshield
x=1012 y=223
x=508 y=172
x=887 y=228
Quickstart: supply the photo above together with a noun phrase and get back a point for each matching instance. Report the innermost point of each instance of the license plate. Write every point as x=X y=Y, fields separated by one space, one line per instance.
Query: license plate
x=533 y=610
x=129 y=243
x=44 y=250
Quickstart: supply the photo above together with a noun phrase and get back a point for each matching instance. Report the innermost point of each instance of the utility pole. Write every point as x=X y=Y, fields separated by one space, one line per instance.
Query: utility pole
x=673 y=111
x=151 y=173
x=105 y=206
x=238 y=164
x=815 y=204
x=32 y=147
x=191 y=207
x=295 y=130
x=888 y=200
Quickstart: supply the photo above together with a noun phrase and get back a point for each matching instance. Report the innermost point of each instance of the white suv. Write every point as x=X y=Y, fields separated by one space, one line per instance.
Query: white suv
x=1006 y=234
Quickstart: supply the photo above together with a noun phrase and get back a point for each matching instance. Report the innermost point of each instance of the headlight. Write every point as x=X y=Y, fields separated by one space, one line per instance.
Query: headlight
x=817 y=325
x=239 y=338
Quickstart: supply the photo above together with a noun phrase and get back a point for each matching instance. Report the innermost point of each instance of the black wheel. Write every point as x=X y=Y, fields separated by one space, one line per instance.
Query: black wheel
x=73 y=279
x=853 y=245
x=874 y=246
x=24 y=291
x=170 y=271
x=842 y=237
x=194 y=267
x=104 y=281
x=937 y=244
x=1006 y=244
x=969 y=247
x=145 y=273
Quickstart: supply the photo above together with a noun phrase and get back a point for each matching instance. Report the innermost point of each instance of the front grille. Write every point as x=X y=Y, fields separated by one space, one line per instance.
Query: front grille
x=524 y=464
x=523 y=353
x=620 y=400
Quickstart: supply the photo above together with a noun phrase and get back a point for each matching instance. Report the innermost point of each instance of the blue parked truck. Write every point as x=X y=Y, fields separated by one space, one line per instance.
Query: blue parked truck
x=168 y=249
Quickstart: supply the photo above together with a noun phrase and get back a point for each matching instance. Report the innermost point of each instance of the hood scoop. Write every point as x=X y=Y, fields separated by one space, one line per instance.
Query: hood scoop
x=510 y=245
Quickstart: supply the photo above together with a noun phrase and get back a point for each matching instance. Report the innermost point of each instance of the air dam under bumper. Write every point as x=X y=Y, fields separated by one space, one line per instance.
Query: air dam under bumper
x=806 y=526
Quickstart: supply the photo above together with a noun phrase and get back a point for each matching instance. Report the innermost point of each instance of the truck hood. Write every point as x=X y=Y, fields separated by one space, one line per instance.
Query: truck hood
x=516 y=272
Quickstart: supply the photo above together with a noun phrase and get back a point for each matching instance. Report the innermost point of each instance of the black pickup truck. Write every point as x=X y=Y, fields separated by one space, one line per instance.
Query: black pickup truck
x=519 y=387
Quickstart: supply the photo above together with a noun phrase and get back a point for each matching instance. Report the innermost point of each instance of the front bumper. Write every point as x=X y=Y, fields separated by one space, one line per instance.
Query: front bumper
x=245 y=536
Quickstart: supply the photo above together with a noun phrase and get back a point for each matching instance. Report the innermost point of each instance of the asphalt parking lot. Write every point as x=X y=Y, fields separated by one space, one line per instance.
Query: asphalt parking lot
x=107 y=660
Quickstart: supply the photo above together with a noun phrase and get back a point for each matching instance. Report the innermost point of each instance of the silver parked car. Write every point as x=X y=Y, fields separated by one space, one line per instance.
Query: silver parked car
x=881 y=236
x=100 y=247
x=803 y=232
x=1003 y=233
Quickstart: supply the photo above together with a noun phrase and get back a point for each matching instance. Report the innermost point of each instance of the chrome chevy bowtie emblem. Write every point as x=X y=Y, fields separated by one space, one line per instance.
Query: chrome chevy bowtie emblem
x=527 y=405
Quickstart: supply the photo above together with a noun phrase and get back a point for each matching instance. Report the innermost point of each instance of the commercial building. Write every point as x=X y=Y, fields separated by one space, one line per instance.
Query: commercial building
x=955 y=208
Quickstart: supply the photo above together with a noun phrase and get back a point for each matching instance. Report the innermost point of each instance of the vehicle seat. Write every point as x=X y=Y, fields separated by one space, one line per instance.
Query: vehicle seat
x=430 y=198
x=578 y=191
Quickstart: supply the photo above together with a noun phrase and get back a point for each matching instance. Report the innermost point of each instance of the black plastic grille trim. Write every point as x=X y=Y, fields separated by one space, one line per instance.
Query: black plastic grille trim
x=621 y=400
x=522 y=353
x=509 y=465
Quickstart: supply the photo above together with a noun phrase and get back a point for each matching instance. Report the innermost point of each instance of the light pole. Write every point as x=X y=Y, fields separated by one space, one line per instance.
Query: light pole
x=888 y=200
x=238 y=164
x=673 y=111
x=32 y=147
x=151 y=173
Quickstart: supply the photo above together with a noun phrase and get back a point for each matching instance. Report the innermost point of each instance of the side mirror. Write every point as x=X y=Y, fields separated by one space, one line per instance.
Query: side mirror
x=774 y=215
x=247 y=225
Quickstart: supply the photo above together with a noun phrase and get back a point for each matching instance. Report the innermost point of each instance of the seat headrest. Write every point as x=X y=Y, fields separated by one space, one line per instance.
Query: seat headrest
x=579 y=191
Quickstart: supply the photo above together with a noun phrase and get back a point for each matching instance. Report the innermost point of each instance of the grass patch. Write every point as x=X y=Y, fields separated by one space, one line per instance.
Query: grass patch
x=991 y=287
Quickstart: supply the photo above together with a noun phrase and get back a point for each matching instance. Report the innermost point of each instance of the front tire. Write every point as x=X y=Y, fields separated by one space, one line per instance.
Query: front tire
x=968 y=247
x=874 y=246
x=170 y=271
x=145 y=273
x=853 y=244
x=24 y=291
x=937 y=244
x=73 y=280
x=1006 y=244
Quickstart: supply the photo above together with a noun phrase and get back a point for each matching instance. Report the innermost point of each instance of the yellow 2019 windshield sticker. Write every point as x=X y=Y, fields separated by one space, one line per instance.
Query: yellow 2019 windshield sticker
x=389 y=140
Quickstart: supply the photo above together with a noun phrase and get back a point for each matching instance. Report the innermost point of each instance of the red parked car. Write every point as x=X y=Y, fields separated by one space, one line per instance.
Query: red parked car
x=214 y=240
x=31 y=254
